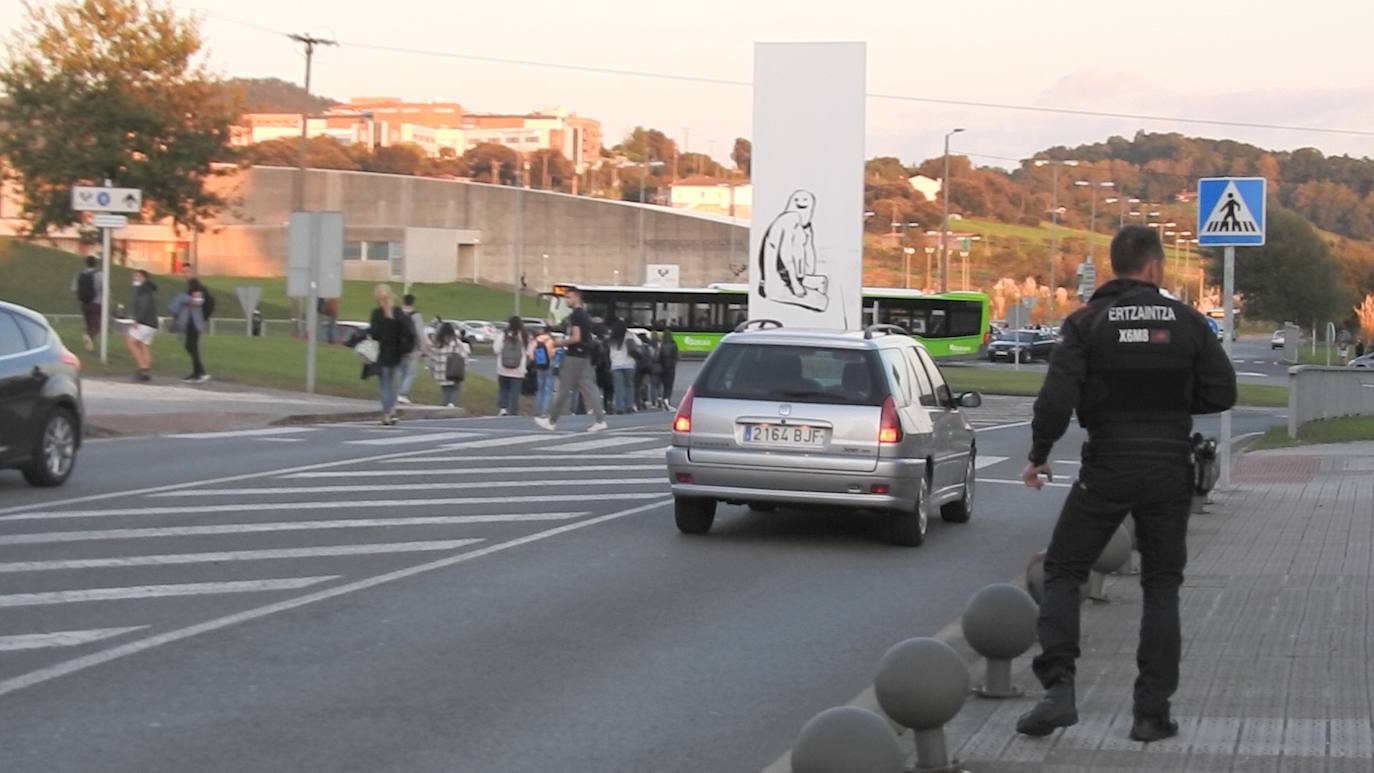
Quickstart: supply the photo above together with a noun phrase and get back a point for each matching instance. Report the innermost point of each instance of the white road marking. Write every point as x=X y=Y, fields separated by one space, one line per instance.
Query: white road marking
x=511 y=440
x=525 y=470
x=401 y=440
x=565 y=462
x=1022 y=483
x=606 y=442
x=40 y=641
x=310 y=505
x=254 y=528
x=281 y=440
x=1251 y=373
x=1003 y=426
x=74 y=665
x=655 y=479
x=170 y=559
x=987 y=461
x=158 y=591
x=1068 y=462
x=265 y=432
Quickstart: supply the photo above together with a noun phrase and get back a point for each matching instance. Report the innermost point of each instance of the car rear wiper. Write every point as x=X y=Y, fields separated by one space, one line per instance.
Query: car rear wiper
x=798 y=394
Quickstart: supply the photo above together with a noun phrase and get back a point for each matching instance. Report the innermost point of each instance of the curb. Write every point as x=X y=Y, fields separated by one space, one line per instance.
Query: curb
x=92 y=430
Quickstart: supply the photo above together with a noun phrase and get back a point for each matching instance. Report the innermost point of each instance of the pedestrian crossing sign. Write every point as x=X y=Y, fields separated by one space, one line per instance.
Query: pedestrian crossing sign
x=1230 y=211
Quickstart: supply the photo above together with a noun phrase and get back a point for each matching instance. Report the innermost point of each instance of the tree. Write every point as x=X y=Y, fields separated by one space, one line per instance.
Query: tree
x=691 y=164
x=274 y=95
x=550 y=170
x=482 y=158
x=403 y=158
x=320 y=153
x=743 y=156
x=1292 y=277
x=112 y=89
x=1364 y=316
x=643 y=143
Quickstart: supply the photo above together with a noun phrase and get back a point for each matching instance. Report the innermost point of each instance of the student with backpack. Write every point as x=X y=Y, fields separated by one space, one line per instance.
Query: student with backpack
x=542 y=353
x=512 y=346
x=87 y=286
x=448 y=363
x=667 y=368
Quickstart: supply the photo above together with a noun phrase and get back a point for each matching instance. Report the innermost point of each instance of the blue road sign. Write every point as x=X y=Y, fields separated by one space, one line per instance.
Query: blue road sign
x=1230 y=211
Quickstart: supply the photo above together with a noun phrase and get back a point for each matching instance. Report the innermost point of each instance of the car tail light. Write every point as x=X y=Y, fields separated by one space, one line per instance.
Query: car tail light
x=685 y=477
x=881 y=488
x=889 y=428
x=68 y=358
x=683 y=421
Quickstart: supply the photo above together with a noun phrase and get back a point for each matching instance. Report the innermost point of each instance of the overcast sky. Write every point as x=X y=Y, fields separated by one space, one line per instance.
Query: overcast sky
x=1262 y=61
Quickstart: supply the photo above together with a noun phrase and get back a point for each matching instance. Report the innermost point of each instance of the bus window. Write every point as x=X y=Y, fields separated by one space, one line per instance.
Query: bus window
x=965 y=318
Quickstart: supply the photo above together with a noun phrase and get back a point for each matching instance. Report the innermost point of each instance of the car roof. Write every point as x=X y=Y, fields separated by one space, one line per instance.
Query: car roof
x=796 y=336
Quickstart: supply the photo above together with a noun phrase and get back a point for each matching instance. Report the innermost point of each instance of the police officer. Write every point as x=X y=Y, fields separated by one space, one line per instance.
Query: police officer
x=1136 y=366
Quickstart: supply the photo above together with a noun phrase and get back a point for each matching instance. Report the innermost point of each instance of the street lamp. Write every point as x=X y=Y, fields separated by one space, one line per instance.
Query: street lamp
x=930 y=255
x=907 y=252
x=1125 y=203
x=1054 y=165
x=944 y=224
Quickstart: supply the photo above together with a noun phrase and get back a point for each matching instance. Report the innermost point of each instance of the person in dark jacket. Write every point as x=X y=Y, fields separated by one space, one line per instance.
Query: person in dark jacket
x=1136 y=366
x=138 y=338
x=191 y=318
x=667 y=368
x=394 y=334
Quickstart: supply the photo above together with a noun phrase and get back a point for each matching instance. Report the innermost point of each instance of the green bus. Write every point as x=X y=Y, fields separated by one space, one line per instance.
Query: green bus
x=950 y=325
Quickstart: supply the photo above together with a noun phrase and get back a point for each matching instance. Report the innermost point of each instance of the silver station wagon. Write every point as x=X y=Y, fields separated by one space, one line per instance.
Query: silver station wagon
x=793 y=417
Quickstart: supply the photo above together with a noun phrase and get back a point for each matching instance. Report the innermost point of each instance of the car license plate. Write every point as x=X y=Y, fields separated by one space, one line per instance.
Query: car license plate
x=784 y=435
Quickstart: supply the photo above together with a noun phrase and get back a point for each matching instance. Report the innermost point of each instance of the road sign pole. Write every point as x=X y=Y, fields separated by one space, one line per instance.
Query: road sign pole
x=104 y=296
x=1228 y=291
x=312 y=301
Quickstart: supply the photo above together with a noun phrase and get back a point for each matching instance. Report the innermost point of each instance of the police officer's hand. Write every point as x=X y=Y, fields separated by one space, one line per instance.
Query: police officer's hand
x=1031 y=475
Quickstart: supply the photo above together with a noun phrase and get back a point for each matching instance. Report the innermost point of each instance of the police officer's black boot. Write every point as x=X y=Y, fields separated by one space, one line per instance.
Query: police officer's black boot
x=1057 y=709
x=1149 y=727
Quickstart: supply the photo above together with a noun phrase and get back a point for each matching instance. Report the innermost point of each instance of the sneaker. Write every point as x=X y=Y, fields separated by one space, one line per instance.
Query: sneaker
x=502 y=412
x=191 y=379
x=144 y=375
x=403 y=400
x=598 y=427
x=1148 y=728
x=448 y=405
x=543 y=423
x=88 y=342
x=204 y=377
x=1055 y=710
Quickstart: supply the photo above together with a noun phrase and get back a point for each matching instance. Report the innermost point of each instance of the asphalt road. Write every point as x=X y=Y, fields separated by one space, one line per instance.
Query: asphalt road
x=460 y=595
x=1254 y=361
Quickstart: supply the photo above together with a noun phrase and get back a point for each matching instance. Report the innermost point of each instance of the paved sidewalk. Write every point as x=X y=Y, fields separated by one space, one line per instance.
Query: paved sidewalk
x=1276 y=668
x=167 y=407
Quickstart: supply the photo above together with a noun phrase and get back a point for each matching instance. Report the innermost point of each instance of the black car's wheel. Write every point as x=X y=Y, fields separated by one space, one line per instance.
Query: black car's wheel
x=960 y=510
x=694 y=516
x=908 y=527
x=54 y=453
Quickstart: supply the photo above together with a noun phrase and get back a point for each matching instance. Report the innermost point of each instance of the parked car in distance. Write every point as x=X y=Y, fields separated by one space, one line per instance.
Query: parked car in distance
x=479 y=331
x=859 y=421
x=346 y=330
x=41 y=411
x=1364 y=361
x=1026 y=344
x=1277 y=340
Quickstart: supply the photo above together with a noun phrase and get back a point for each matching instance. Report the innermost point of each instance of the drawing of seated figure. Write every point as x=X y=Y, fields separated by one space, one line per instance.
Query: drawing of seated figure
x=787 y=257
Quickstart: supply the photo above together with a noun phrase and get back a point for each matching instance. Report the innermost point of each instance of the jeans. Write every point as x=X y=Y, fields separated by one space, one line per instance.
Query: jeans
x=90 y=314
x=193 y=349
x=543 y=393
x=328 y=329
x=1157 y=493
x=577 y=375
x=508 y=399
x=386 y=382
x=623 y=389
x=448 y=393
x=409 y=368
x=655 y=391
x=666 y=379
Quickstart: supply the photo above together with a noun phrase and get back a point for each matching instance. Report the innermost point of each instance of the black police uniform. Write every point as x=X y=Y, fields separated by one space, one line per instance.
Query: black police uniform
x=1136 y=366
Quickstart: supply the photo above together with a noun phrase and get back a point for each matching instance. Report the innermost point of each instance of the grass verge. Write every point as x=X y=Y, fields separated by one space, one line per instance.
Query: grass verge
x=1344 y=430
x=275 y=362
x=1012 y=382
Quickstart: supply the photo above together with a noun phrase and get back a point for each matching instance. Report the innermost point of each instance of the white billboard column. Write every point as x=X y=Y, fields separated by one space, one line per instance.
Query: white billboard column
x=806 y=239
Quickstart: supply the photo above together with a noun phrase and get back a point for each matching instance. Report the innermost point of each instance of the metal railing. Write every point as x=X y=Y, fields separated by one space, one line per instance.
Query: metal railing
x=226 y=325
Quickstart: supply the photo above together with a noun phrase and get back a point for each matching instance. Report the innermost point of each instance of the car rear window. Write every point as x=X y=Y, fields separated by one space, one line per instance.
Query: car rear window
x=793 y=373
x=35 y=333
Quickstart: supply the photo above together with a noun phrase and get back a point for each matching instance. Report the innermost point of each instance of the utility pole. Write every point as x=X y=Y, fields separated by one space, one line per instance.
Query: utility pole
x=944 y=222
x=312 y=300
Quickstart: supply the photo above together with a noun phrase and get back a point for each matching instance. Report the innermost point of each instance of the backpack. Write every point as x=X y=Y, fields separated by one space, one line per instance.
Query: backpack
x=207 y=307
x=512 y=353
x=541 y=355
x=455 y=367
x=406 y=333
x=85 y=287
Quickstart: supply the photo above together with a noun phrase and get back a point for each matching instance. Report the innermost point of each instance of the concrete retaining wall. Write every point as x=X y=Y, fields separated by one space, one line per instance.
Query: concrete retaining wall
x=1316 y=392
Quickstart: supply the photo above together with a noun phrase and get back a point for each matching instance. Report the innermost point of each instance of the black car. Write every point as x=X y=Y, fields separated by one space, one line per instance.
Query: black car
x=40 y=398
x=1032 y=345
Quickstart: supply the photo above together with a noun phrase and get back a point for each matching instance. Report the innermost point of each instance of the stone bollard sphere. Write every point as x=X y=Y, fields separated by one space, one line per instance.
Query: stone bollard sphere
x=1116 y=554
x=999 y=621
x=847 y=739
x=922 y=683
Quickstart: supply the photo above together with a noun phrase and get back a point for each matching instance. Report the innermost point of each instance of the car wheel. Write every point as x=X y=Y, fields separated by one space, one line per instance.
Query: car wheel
x=908 y=528
x=694 y=516
x=960 y=510
x=54 y=454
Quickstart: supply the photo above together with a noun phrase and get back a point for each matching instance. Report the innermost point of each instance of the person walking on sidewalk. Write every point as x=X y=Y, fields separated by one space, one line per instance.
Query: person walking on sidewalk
x=448 y=363
x=87 y=287
x=138 y=339
x=542 y=351
x=576 y=373
x=667 y=368
x=512 y=347
x=621 y=346
x=395 y=337
x=1135 y=366
x=190 y=315
x=410 y=364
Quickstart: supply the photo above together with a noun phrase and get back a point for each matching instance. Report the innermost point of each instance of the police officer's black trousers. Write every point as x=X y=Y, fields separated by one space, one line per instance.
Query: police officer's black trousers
x=1157 y=493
